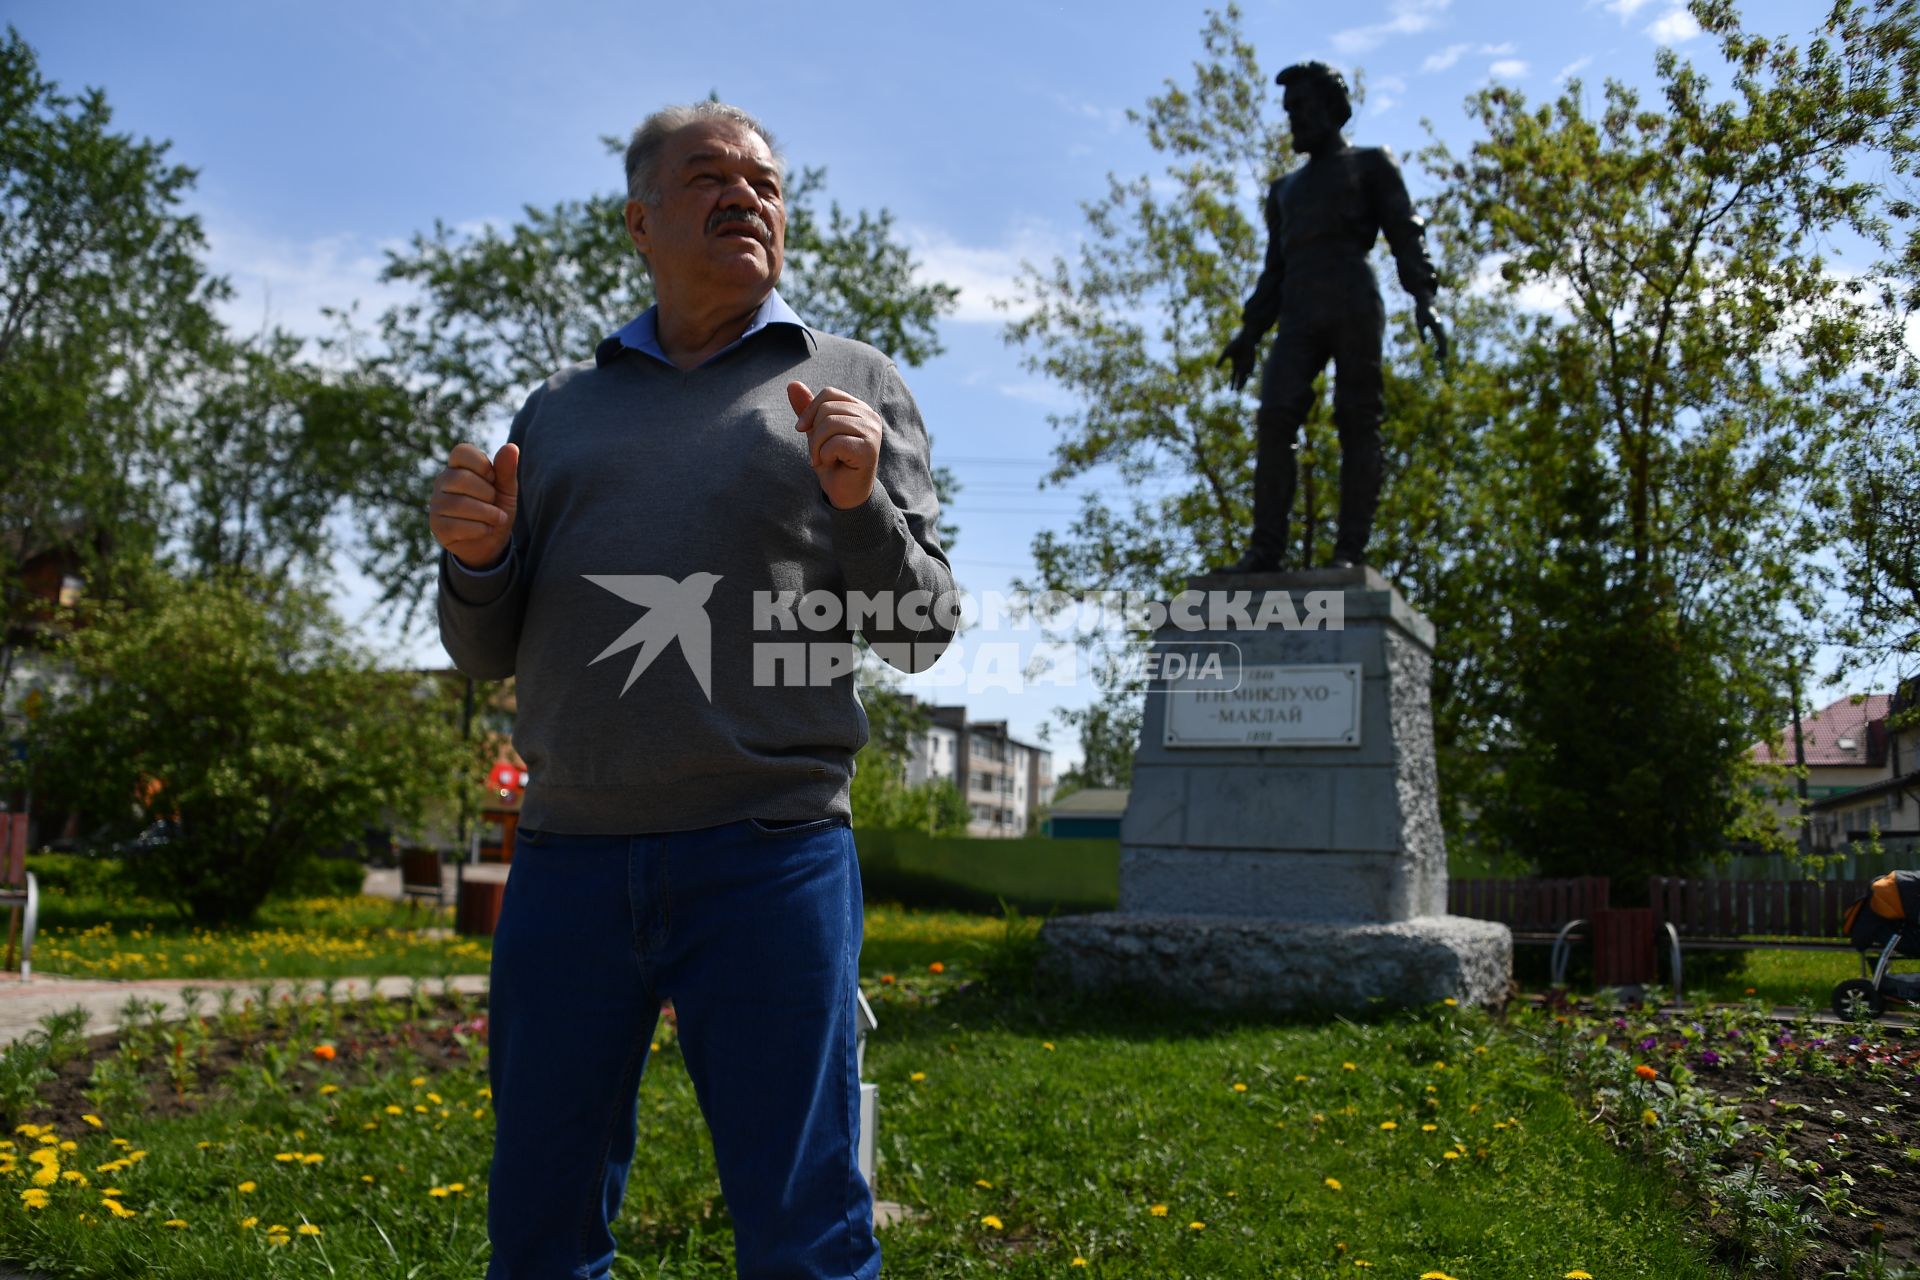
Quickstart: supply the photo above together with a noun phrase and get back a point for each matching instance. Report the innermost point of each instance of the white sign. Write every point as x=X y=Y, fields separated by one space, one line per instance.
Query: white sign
x=1316 y=706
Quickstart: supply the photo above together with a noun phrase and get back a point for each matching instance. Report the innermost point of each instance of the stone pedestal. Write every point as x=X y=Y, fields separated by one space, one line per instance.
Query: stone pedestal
x=1282 y=846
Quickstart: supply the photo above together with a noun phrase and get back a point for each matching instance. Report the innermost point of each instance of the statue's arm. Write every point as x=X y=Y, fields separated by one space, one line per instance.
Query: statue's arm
x=1263 y=308
x=1405 y=231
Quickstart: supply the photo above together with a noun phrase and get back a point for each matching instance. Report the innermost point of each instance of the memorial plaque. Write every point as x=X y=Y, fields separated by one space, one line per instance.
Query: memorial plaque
x=1298 y=706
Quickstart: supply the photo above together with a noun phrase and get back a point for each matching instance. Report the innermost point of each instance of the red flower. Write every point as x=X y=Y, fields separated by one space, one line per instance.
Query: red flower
x=324 y=1052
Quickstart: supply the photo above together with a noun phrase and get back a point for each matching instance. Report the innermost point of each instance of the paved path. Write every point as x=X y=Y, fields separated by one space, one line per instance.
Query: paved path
x=23 y=1004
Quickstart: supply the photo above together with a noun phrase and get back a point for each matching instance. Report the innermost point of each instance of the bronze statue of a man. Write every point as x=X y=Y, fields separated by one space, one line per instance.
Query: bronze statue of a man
x=1322 y=221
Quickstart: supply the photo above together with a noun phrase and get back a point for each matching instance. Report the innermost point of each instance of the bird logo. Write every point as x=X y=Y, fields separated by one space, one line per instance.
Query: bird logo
x=674 y=611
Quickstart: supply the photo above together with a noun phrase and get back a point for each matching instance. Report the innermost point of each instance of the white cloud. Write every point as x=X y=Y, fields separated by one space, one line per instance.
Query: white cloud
x=982 y=273
x=1406 y=17
x=1542 y=296
x=1508 y=69
x=1388 y=84
x=1113 y=119
x=283 y=282
x=1381 y=105
x=1572 y=69
x=1445 y=58
x=1675 y=26
x=1626 y=8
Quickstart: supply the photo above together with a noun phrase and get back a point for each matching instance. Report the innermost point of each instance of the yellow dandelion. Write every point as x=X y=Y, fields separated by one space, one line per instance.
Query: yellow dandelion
x=989 y=1220
x=1157 y=1210
x=366 y=1177
x=1428 y=1128
x=74 y=1175
x=92 y=1120
x=1577 y=1274
x=1363 y=1264
x=1048 y=1046
x=248 y=1187
x=326 y=1089
x=438 y=1193
x=982 y=1182
x=917 y=1076
x=1196 y=1226
x=308 y=1229
x=458 y=1188
x=111 y=1191
x=1449 y=1155
x=136 y=1156
x=34 y=1198
x=286 y=1157
x=1239 y=1088
x=1388 y=1126
x=117 y=1209
x=395 y=1111
x=1650 y=1118
x=417 y=1081
x=1450 y=1002
x=1299 y=1079
x=178 y=1224
x=1435 y=1275
x=247 y=1223
x=46 y=1176
x=1348 y=1066
x=1332 y=1184
x=1078 y=1262
x=312 y=1157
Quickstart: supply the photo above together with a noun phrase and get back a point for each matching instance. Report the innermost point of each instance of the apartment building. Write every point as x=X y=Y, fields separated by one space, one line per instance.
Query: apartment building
x=1006 y=782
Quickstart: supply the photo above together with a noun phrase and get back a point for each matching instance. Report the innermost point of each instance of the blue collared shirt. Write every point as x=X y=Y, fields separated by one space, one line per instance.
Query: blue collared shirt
x=642 y=333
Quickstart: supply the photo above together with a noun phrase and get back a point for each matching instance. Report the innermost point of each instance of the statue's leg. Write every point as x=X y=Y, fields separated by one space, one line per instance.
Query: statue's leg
x=1357 y=412
x=1286 y=396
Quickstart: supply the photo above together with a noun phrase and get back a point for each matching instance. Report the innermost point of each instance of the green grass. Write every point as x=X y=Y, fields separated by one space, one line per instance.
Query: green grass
x=1080 y=1117
x=1783 y=978
x=98 y=935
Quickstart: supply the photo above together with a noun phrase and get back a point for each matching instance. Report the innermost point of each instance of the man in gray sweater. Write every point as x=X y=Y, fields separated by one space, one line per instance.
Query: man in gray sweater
x=671 y=555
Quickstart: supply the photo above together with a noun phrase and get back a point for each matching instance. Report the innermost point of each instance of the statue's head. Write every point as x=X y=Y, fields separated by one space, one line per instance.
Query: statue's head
x=1316 y=102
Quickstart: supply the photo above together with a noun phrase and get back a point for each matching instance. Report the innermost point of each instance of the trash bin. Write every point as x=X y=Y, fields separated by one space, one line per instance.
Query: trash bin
x=476 y=910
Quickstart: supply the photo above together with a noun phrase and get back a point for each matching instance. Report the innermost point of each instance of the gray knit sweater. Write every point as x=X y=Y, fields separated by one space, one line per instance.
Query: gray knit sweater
x=656 y=505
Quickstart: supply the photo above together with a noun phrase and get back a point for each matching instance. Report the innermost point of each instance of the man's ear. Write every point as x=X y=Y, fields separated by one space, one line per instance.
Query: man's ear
x=638 y=226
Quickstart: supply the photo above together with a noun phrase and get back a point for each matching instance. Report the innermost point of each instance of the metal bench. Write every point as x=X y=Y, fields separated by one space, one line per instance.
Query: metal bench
x=1752 y=915
x=1537 y=910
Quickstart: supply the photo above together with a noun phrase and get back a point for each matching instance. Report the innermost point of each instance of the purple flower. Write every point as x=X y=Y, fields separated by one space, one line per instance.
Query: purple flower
x=1647 y=1044
x=1708 y=1058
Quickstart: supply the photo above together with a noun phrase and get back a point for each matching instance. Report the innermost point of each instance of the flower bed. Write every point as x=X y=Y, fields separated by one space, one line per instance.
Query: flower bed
x=1800 y=1138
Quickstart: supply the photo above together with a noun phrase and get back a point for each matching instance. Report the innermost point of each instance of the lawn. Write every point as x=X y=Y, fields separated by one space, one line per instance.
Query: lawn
x=1025 y=1133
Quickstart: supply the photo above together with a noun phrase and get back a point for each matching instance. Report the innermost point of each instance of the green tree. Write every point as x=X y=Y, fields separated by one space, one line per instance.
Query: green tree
x=105 y=308
x=1690 y=392
x=241 y=714
x=1607 y=506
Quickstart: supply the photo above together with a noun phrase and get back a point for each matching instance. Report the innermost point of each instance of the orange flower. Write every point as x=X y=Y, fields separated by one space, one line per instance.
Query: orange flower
x=936 y=967
x=1646 y=1072
x=886 y=978
x=324 y=1052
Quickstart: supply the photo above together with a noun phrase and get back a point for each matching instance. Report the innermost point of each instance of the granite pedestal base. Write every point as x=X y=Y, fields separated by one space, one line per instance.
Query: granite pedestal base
x=1282 y=869
x=1255 y=965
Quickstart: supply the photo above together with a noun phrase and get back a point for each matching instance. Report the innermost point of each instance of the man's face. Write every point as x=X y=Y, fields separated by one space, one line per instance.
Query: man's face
x=1306 y=112
x=719 y=228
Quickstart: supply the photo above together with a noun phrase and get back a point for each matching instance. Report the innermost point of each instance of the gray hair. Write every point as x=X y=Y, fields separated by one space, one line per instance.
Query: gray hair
x=650 y=139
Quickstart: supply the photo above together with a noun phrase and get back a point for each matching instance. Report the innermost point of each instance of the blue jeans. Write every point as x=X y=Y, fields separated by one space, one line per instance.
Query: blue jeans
x=753 y=930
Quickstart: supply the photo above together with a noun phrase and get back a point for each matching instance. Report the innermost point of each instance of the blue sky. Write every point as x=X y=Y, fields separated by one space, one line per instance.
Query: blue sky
x=324 y=133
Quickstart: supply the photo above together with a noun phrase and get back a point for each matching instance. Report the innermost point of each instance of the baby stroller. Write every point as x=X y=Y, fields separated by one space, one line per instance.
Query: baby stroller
x=1886 y=920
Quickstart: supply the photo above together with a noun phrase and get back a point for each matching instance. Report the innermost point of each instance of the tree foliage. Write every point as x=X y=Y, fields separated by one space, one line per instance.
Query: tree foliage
x=1610 y=506
x=105 y=308
x=240 y=713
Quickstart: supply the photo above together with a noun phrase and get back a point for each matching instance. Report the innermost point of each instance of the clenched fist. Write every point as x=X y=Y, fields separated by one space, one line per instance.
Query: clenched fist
x=843 y=441
x=471 y=513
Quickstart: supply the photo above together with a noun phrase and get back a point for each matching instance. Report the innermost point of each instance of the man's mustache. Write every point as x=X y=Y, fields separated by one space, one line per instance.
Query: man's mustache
x=754 y=222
